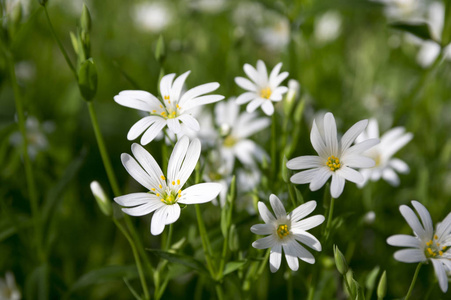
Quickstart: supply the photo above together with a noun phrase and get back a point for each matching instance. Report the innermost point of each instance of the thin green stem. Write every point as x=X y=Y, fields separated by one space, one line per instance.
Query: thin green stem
x=219 y=292
x=205 y=241
x=168 y=239
x=414 y=279
x=60 y=45
x=331 y=212
x=32 y=193
x=290 y=285
x=274 y=145
x=348 y=287
x=137 y=259
x=263 y=263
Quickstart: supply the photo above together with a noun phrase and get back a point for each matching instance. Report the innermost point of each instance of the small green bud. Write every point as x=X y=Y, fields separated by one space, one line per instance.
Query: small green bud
x=85 y=19
x=101 y=198
x=16 y=14
x=382 y=286
x=234 y=242
x=87 y=79
x=159 y=50
x=340 y=261
x=75 y=43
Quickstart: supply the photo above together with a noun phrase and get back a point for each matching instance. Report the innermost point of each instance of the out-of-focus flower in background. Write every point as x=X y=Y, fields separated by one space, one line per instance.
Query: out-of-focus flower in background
x=327 y=27
x=36 y=136
x=152 y=16
x=8 y=288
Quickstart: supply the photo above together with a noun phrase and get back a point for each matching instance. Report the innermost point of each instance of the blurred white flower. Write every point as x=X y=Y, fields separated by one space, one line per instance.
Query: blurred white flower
x=369 y=217
x=8 y=288
x=401 y=9
x=208 y=6
x=392 y=140
x=165 y=194
x=153 y=16
x=285 y=231
x=36 y=136
x=277 y=36
x=262 y=90
x=336 y=159
x=327 y=26
x=425 y=244
x=172 y=111
x=236 y=129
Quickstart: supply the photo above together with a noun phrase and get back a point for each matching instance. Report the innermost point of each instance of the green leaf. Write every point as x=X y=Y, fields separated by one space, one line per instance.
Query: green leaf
x=87 y=79
x=370 y=281
x=446 y=33
x=233 y=266
x=85 y=19
x=185 y=260
x=419 y=29
x=382 y=286
x=105 y=274
x=159 y=50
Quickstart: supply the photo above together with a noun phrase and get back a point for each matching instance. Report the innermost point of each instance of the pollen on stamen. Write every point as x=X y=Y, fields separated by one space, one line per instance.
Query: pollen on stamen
x=333 y=163
x=430 y=251
x=162 y=200
x=429 y=243
x=435 y=237
x=178 y=181
x=173 y=183
x=440 y=253
x=161 y=106
x=177 y=106
x=154 y=111
x=153 y=189
x=160 y=186
x=158 y=195
x=162 y=177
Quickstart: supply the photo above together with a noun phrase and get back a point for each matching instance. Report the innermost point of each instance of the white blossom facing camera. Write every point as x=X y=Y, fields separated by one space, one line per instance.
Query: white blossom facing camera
x=335 y=158
x=262 y=90
x=425 y=245
x=285 y=231
x=391 y=141
x=172 y=111
x=165 y=193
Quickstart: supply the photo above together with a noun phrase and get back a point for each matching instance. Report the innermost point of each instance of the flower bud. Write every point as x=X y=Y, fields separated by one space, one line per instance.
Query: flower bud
x=101 y=198
x=382 y=286
x=340 y=261
x=85 y=19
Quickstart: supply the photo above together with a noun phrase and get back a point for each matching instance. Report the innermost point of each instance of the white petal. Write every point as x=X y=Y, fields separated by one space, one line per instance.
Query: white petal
x=397 y=144
x=373 y=129
x=254 y=104
x=190 y=161
x=177 y=86
x=144 y=209
x=140 y=126
x=195 y=102
x=262 y=229
x=172 y=213
x=399 y=165
x=277 y=206
x=403 y=240
x=361 y=147
x=134 y=199
x=410 y=255
x=444 y=227
x=440 y=273
x=244 y=151
x=140 y=100
x=358 y=161
x=307 y=238
x=350 y=174
x=425 y=217
x=296 y=250
x=190 y=121
x=352 y=133
x=174 y=126
x=149 y=164
x=281 y=77
x=252 y=127
x=246 y=97
x=305 y=162
x=200 y=193
x=290 y=255
x=317 y=141
x=337 y=185
x=309 y=223
x=414 y=223
x=268 y=107
x=275 y=258
x=304 y=176
x=246 y=84
x=275 y=72
x=330 y=133
x=252 y=73
x=264 y=243
x=197 y=91
x=266 y=215
x=321 y=176
x=176 y=159
x=302 y=211
x=153 y=131
x=166 y=84
x=276 y=94
x=136 y=171
x=158 y=220
x=390 y=176
x=262 y=72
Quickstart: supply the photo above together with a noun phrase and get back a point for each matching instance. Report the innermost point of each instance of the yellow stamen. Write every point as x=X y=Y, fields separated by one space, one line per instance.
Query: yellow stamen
x=166 y=97
x=440 y=252
x=163 y=114
x=153 y=189
x=161 y=106
x=162 y=177
x=179 y=195
x=173 y=183
x=177 y=106
x=430 y=251
x=333 y=163
x=436 y=237
x=282 y=231
x=160 y=186
x=178 y=181
x=162 y=200
x=265 y=93
x=158 y=195
x=429 y=243
x=154 y=111
x=444 y=247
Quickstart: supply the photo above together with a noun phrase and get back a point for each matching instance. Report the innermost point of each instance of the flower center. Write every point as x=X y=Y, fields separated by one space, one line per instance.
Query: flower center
x=170 y=197
x=333 y=163
x=434 y=248
x=282 y=231
x=229 y=141
x=265 y=93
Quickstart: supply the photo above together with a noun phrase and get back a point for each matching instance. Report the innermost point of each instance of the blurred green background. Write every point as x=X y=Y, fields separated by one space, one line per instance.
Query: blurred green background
x=347 y=59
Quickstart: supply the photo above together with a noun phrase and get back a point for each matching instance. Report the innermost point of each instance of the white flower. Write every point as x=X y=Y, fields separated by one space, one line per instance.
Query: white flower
x=285 y=231
x=425 y=245
x=172 y=111
x=391 y=142
x=153 y=17
x=8 y=288
x=236 y=129
x=262 y=90
x=327 y=26
x=165 y=194
x=336 y=159
x=277 y=36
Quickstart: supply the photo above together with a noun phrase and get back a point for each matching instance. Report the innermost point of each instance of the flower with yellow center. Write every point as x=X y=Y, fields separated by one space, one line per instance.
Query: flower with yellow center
x=425 y=245
x=285 y=231
x=261 y=88
x=165 y=194
x=173 y=111
x=336 y=159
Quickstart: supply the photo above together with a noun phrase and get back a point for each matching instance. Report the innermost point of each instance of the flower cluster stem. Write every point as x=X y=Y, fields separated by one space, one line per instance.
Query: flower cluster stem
x=414 y=279
x=330 y=215
x=205 y=241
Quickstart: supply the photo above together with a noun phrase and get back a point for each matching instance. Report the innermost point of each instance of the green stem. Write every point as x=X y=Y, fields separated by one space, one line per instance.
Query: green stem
x=27 y=162
x=414 y=279
x=219 y=292
x=348 y=287
x=274 y=146
x=168 y=239
x=137 y=259
x=290 y=285
x=205 y=242
x=103 y=152
x=60 y=45
x=263 y=263
x=331 y=212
